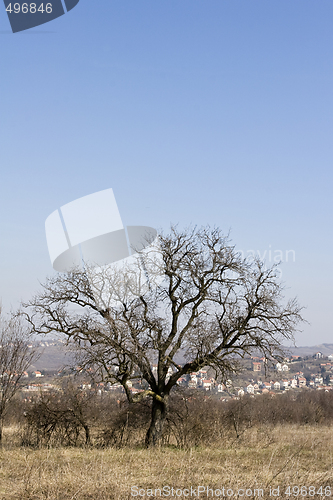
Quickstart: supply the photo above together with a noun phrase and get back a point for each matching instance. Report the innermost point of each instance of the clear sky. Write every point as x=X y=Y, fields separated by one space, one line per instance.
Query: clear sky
x=194 y=111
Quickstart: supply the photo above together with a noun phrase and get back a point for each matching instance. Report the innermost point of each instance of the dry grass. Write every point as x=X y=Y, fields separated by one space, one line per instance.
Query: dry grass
x=262 y=458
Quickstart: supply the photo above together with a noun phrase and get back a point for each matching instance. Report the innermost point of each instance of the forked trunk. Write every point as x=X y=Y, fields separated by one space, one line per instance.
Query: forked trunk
x=158 y=418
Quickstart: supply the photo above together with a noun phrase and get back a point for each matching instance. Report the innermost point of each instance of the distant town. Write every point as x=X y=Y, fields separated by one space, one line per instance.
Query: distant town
x=258 y=376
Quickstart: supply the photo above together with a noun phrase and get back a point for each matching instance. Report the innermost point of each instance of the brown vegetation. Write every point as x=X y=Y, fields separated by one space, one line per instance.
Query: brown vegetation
x=72 y=417
x=261 y=457
x=249 y=443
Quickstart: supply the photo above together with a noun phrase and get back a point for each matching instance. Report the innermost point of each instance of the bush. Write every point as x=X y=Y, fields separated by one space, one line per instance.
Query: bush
x=62 y=418
x=71 y=417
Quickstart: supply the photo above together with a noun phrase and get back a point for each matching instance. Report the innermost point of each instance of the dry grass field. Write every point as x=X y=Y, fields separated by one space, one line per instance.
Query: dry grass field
x=261 y=458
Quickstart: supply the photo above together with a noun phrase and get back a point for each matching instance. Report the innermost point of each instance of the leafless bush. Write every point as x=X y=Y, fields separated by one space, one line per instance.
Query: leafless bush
x=126 y=423
x=71 y=417
x=194 y=419
x=61 y=418
x=315 y=407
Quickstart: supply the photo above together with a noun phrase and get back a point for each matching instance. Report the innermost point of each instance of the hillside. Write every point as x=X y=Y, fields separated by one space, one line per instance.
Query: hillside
x=54 y=354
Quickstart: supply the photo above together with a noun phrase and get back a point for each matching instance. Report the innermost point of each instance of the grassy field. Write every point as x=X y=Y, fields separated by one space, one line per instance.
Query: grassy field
x=262 y=458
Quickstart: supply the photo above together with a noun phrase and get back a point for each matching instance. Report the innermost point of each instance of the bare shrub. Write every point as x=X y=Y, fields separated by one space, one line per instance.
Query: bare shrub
x=126 y=424
x=71 y=417
x=195 y=419
x=62 y=418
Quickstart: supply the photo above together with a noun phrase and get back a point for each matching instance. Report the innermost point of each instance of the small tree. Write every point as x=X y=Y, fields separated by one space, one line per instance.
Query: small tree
x=210 y=306
x=15 y=358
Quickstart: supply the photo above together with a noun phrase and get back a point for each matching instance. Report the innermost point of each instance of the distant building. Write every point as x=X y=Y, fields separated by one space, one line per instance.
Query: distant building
x=281 y=367
x=249 y=389
x=207 y=385
x=86 y=387
x=256 y=366
x=181 y=381
x=266 y=385
x=301 y=382
x=284 y=384
x=154 y=370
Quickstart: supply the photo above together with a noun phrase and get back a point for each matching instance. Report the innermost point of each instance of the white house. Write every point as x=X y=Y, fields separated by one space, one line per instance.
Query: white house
x=301 y=382
x=169 y=373
x=293 y=383
x=86 y=387
x=154 y=370
x=284 y=384
x=207 y=385
x=249 y=389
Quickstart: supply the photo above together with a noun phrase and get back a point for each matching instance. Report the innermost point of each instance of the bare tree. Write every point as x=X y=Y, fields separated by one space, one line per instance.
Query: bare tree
x=212 y=307
x=15 y=358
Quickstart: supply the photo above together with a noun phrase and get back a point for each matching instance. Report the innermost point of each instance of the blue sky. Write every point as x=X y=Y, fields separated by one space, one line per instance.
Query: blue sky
x=194 y=112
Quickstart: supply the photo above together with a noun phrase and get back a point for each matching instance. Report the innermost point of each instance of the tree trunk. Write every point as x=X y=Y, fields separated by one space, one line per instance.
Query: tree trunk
x=87 y=433
x=1 y=431
x=158 y=417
